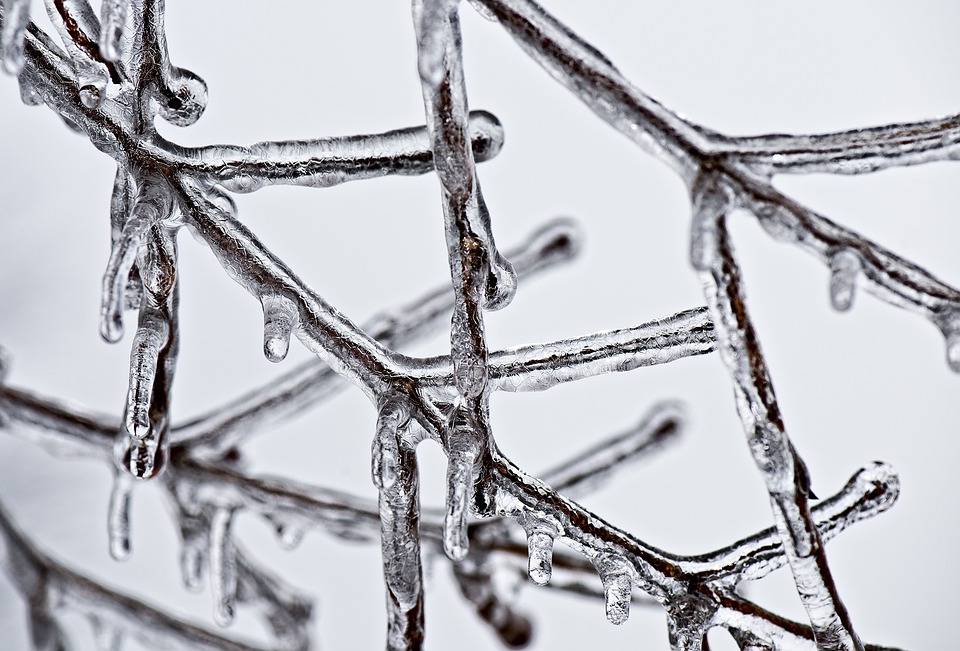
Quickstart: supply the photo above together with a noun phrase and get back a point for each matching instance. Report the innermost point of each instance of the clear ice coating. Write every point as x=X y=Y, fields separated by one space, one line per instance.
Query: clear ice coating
x=113 y=77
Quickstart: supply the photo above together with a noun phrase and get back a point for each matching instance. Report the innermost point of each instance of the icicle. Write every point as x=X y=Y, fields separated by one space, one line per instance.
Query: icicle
x=4 y=363
x=844 y=268
x=223 y=567
x=280 y=318
x=192 y=560
x=462 y=453
x=16 y=17
x=617 y=578
x=385 y=453
x=949 y=322
x=152 y=336
x=118 y=520
x=539 y=556
x=113 y=15
x=152 y=206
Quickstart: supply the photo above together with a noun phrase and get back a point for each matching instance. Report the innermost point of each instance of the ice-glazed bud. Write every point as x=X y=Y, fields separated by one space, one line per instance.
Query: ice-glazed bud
x=844 y=268
x=616 y=575
x=223 y=567
x=113 y=15
x=118 y=518
x=539 y=556
x=91 y=95
x=880 y=485
x=184 y=98
x=16 y=17
x=280 y=317
x=462 y=453
x=486 y=135
x=501 y=284
x=557 y=241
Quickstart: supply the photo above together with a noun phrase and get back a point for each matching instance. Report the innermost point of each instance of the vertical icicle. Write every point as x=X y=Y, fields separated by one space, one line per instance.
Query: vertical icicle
x=223 y=566
x=617 y=577
x=396 y=476
x=16 y=17
x=118 y=518
x=539 y=555
x=844 y=268
x=280 y=318
x=151 y=337
x=463 y=450
x=192 y=560
x=113 y=15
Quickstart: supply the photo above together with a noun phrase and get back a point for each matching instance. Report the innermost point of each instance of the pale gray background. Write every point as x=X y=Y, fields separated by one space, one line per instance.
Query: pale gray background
x=871 y=384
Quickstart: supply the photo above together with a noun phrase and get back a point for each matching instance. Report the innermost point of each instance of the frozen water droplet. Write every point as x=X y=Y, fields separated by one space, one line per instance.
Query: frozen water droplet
x=279 y=319
x=15 y=20
x=91 y=96
x=118 y=518
x=28 y=94
x=186 y=98
x=143 y=459
x=615 y=573
x=290 y=535
x=113 y=14
x=461 y=473
x=844 y=268
x=223 y=567
x=948 y=320
x=539 y=557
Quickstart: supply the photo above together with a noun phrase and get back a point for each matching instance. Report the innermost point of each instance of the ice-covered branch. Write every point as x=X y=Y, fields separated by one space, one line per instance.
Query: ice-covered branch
x=48 y=586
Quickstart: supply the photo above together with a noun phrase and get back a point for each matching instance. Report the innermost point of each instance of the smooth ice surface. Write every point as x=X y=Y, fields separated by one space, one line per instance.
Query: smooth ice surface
x=846 y=442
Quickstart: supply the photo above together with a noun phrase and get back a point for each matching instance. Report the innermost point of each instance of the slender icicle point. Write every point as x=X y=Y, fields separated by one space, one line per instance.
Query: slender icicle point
x=114 y=287
x=192 y=561
x=539 y=556
x=16 y=17
x=113 y=15
x=948 y=321
x=152 y=336
x=280 y=318
x=118 y=519
x=844 y=268
x=223 y=567
x=617 y=578
x=462 y=453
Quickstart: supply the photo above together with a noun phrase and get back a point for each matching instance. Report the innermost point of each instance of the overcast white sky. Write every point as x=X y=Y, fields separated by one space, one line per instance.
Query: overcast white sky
x=869 y=384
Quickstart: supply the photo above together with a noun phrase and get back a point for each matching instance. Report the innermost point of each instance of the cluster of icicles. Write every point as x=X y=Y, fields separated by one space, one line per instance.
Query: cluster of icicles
x=115 y=77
